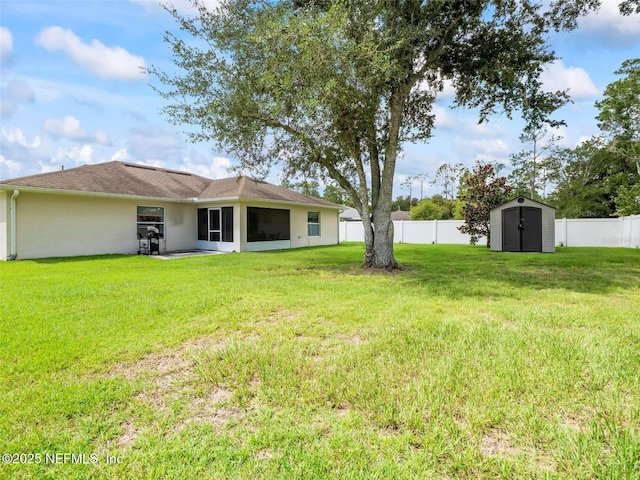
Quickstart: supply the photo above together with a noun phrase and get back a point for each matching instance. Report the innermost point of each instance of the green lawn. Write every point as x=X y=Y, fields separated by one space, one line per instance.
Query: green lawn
x=300 y=364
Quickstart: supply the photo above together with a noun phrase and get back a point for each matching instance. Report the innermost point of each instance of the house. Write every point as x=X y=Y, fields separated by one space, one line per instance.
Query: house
x=400 y=215
x=105 y=208
x=350 y=214
x=523 y=225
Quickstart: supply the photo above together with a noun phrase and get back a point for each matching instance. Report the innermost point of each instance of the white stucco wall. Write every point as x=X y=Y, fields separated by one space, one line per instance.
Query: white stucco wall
x=53 y=225
x=62 y=225
x=4 y=225
x=299 y=227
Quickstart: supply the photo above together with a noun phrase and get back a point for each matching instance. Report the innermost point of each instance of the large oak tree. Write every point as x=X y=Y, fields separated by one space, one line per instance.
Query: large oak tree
x=335 y=88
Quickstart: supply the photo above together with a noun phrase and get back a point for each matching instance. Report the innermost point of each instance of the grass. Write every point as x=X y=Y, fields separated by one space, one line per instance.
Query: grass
x=299 y=364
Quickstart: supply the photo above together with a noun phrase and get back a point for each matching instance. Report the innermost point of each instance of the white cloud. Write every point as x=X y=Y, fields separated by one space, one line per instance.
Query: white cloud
x=106 y=62
x=486 y=129
x=443 y=119
x=561 y=135
x=216 y=168
x=79 y=155
x=8 y=168
x=449 y=90
x=558 y=77
x=491 y=147
x=17 y=91
x=6 y=44
x=17 y=136
x=21 y=156
x=609 y=23
x=102 y=138
x=155 y=145
x=69 y=128
x=121 y=155
x=153 y=163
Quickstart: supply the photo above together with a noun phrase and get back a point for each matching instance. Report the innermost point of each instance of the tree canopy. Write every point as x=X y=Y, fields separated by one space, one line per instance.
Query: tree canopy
x=600 y=177
x=620 y=112
x=335 y=88
x=592 y=181
x=437 y=207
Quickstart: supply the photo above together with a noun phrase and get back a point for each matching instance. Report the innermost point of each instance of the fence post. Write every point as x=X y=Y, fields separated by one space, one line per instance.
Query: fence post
x=435 y=231
x=564 y=232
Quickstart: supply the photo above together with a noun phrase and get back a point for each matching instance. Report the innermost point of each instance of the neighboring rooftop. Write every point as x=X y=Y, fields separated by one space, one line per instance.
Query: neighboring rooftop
x=350 y=215
x=128 y=179
x=400 y=215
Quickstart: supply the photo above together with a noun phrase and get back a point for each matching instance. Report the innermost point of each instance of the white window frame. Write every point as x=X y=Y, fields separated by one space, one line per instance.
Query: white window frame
x=217 y=211
x=311 y=224
x=163 y=230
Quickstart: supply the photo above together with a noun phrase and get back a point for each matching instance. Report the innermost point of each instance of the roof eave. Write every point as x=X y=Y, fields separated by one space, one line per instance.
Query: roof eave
x=290 y=202
x=82 y=193
x=266 y=200
x=528 y=198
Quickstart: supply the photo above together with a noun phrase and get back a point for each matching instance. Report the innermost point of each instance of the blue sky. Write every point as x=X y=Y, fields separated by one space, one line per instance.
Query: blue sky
x=73 y=92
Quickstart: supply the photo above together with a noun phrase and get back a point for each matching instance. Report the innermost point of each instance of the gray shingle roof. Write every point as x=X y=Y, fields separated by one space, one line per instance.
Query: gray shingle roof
x=246 y=187
x=400 y=215
x=128 y=179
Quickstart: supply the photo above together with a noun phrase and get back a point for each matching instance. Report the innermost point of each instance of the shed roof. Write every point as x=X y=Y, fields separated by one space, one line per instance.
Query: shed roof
x=128 y=179
x=515 y=199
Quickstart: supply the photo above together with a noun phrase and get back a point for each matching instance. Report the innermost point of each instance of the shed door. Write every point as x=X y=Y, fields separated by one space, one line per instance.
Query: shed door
x=522 y=229
x=510 y=231
x=531 y=233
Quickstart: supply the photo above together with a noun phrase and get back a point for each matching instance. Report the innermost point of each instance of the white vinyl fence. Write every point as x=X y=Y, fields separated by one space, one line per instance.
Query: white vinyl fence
x=583 y=232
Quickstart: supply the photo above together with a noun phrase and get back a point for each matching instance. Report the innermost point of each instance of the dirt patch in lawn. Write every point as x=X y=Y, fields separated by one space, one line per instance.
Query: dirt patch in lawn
x=170 y=380
x=497 y=443
x=162 y=364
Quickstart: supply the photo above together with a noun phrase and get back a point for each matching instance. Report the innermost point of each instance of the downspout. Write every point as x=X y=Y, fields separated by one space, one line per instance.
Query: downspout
x=13 y=247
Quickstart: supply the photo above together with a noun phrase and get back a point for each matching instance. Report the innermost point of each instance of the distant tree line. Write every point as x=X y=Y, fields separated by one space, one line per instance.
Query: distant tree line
x=598 y=178
x=601 y=176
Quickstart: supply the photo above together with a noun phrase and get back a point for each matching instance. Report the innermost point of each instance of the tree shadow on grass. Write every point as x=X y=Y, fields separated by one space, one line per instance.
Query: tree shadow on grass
x=446 y=270
x=464 y=270
x=455 y=271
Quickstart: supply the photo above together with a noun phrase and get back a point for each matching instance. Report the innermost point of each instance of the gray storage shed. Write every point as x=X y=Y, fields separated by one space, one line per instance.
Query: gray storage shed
x=523 y=225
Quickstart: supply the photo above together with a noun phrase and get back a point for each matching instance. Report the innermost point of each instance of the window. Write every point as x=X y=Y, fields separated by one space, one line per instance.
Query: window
x=203 y=224
x=150 y=217
x=313 y=224
x=227 y=224
x=267 y=224
x=215 y=224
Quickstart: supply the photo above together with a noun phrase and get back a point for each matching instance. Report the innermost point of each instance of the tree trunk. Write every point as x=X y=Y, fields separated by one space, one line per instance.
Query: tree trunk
x=379 y=244
x=369 y=235
x=378 y=237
